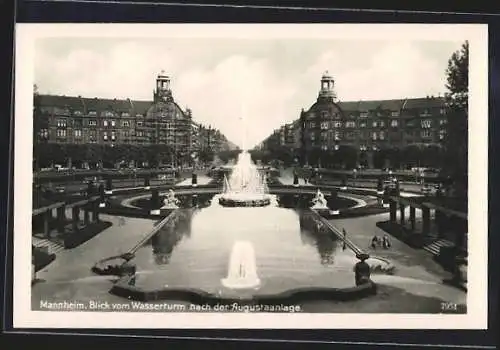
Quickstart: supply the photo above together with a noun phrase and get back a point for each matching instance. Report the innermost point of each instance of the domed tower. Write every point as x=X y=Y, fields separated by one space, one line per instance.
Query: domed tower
x=162 y=92
x=327 y=87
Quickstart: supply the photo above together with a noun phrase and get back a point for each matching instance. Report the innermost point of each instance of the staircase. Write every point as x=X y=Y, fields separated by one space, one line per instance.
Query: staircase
x=436 y=245
x=53 y=245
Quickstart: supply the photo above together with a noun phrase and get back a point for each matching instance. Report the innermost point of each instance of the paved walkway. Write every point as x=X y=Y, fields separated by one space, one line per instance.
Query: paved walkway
x=415 y=268
x=77 y=262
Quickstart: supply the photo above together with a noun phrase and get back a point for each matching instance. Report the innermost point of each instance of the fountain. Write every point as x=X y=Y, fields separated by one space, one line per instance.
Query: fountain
x=170 y=201
x=242 y=273
x=245 y=186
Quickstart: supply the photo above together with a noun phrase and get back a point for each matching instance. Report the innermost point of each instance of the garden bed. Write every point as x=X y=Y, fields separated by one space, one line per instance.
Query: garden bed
x=74 y=239
x=41 y=258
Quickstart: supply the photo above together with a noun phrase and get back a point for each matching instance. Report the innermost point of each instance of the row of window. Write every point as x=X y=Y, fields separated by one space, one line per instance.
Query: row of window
x=63 y=123
x=381 y=135
x=366 y=114
x=325 y=125
x=44 y=133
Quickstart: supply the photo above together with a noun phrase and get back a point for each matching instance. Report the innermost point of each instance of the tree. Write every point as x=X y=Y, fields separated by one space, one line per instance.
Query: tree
x=457 y=98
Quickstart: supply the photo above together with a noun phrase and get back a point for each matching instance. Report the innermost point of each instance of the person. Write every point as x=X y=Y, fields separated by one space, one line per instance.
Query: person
x=375 y=242
x=386 y=243
x=362 y=270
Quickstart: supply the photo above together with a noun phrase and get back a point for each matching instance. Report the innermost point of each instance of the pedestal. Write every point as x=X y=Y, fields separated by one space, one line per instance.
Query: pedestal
x=61 y=219
x=46 y=223
x=75 y=218
x=402 y=214
x=86 y=217
x=426 y=218
x=412 y=218
x=392 y=209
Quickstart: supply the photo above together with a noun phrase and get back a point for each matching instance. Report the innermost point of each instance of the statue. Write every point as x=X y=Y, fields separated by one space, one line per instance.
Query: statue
x=319 y=202
x=170 y=201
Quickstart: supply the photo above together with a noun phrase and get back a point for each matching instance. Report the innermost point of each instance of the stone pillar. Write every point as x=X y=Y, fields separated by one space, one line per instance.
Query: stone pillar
x=392 y=210
x=402 y=213
x=412 y=218
x=426 y=217
x=94 y=208
x=147 y=182
x=194 y=179
x=194 y=200
x=46 y=223
x=61 y=219
x=75 y=218
x=109 y=185
x=295 y=180
x=86 y=216
x=102 y=196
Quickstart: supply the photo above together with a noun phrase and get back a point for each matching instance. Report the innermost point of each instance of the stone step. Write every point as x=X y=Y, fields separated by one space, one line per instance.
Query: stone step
x=435 y=246
x=54 y=247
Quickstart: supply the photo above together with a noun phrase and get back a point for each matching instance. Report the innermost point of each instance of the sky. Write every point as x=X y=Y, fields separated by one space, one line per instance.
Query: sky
x=244 y=87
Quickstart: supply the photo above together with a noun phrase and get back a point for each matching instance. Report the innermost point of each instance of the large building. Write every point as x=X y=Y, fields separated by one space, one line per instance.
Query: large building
x=365 y=126
x=84 y=121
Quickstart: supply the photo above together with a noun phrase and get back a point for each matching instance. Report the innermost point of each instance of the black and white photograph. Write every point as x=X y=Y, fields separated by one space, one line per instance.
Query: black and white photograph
x=250 y=176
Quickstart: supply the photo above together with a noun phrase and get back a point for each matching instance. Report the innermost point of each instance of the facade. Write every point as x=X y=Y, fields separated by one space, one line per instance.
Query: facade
x=367 y=126
x=83 y=121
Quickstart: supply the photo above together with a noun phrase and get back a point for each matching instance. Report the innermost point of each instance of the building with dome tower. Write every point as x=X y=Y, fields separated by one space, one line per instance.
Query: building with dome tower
x=111 y=128
x=366 y=133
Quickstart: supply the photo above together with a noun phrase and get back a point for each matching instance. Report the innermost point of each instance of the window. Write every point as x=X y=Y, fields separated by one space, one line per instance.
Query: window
x=139 y=123
x=425 y=133
x=324 y=135
x=312 y=136
x=93 y=122
x=350 y=124
x=426 y=123
x=61 y=123
x=324 y=148
x=381 y=135
x=336 y=135
x=374 y=147
x=78 y=113
x=324 y=125
x=362 y=125
x=105 y=136
x=113 y=123
x=363 y=147
x=113 y=135
x=125 y=114
x=394 y=123
x=363 y=115
x=61 y=133
x=374 y=124
x=138 y=115
x=425 y=113
x=139 y=133
x=312 y=124
x=92 y=113
x=44 y=133
x=350 y=135
x=442 y=134
x=395 y=114
x=443 y=121
x=126 y=124
x=442 y=111
x=105 y=123
x=374 y=135
x=382 y=124
x=324 y=114
x=78 y=133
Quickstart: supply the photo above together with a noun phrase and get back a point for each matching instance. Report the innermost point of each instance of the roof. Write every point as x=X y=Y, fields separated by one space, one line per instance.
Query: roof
x=86 y=104
x=392 y=105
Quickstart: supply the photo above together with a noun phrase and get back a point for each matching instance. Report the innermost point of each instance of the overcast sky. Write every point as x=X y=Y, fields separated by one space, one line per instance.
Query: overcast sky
x=246 y=88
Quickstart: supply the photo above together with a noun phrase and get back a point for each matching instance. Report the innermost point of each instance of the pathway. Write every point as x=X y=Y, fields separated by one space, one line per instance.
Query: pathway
x=415 y=268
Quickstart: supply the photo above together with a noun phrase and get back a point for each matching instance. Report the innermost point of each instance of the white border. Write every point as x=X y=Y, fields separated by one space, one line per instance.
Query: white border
x=476 y=318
